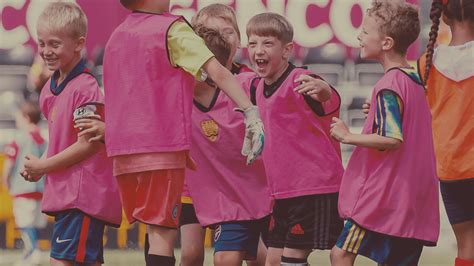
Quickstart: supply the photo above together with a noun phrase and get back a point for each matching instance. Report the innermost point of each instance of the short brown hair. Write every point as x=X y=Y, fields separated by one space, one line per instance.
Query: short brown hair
x=398 y=20
x=216 y=43
x=64 y=17
x=31 y=110
x=129 y=3
x=271 y=24
x=218 y=11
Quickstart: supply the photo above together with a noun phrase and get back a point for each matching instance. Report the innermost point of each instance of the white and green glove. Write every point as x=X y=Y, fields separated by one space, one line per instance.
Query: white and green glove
x=254 y=137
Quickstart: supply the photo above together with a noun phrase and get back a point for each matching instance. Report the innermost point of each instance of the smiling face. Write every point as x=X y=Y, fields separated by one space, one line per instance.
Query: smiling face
x=59 y=50
x=269 y=56
x=370 y=39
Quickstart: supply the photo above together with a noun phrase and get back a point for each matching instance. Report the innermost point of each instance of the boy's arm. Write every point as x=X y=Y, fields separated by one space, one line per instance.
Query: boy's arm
x=387 y=125
x=91 y=126
x=36 y=167
x=227 y=82
x=318 y=89
x=188 y=51
x=341 y=133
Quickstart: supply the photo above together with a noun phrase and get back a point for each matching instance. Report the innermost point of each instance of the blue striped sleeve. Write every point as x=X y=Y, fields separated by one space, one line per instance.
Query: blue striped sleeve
x=388 y=119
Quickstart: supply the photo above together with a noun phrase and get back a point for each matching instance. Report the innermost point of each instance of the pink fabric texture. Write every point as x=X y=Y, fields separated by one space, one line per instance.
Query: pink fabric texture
x=89 y=185
x=149 y=101
x=395 y=192
x=300 y=156
x=224 y=188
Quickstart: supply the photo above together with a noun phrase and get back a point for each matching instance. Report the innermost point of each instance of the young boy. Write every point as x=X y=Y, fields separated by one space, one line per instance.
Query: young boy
x=209 y=101
x=302 y=163
x=150 y=64
x=80 y=190
x=389 y=192
x=26 y=196
x=223 y=187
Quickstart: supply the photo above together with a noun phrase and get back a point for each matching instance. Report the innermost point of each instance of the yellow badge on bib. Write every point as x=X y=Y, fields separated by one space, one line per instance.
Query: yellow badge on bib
x=210 y=129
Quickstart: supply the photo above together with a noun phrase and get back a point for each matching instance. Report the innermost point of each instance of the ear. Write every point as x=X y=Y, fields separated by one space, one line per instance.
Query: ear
x=387 y=43
x=80 y=44
x=287 y=49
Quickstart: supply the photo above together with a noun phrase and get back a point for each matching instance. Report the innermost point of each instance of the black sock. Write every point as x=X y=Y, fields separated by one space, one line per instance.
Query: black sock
x=157 y=260
x=147 y=246
x=293 y=261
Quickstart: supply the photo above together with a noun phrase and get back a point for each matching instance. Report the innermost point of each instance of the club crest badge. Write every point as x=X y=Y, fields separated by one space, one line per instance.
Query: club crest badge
x=210 y=129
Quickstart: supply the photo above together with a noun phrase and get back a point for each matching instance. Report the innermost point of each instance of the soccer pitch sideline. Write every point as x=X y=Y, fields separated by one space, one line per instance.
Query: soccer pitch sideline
x=442 y=255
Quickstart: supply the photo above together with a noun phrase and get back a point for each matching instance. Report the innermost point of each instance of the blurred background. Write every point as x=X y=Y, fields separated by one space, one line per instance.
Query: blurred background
x=325 y=38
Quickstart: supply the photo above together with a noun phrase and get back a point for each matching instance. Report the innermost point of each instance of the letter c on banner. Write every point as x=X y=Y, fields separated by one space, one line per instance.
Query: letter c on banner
x=341 y=20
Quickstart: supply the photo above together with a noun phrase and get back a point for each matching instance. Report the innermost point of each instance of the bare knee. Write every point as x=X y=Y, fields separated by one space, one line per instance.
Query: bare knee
x=340 y=257
x=465 y=239
x=192 y=257
x=228 y=258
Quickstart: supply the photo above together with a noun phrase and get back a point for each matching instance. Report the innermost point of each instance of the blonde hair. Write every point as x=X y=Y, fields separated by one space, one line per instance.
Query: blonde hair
x=64 y=17
x=216 y=11
x=398 y=20
x=271 y=24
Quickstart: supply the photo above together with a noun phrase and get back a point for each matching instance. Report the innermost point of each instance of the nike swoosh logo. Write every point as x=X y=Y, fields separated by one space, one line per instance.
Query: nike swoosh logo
x=59 y=241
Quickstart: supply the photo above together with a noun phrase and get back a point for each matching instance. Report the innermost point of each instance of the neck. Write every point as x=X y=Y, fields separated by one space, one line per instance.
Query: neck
x=392 y=59
x=63 y=72
x=157 y=7
x=281 y=69
x=462 y=32
x=203 y=93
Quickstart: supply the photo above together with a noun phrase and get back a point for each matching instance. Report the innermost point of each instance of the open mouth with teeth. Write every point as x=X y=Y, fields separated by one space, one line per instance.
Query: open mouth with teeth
x=261 y=63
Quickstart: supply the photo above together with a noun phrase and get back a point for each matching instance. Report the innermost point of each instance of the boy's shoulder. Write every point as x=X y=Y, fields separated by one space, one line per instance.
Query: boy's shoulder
x=398 y=74
x=85 y=81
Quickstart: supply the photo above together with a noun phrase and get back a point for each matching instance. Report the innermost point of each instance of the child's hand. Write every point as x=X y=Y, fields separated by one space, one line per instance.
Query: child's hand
x=311 y=86
x=34 y=168
x=94 y=127
x=254 y=137
x=339 y=130
x=366 y=107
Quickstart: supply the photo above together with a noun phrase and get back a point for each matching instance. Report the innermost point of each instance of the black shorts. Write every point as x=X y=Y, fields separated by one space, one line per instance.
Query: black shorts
x=188 y=214
x=458 y=197
x=306 y=222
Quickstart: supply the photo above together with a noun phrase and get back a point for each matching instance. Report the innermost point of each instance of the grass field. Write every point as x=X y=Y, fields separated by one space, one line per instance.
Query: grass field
x=442 y=255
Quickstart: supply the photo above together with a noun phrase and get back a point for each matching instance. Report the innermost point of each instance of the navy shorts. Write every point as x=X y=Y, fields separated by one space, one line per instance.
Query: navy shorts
x=458 y=197
x=188 y=214
x=306 y=222
x=381 y=248
x=77 y=237
x=239 y=236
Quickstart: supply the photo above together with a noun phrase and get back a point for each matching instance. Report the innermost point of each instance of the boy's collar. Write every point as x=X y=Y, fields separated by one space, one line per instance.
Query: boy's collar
x=270 y=89
x=56 y=89
x=150 y=12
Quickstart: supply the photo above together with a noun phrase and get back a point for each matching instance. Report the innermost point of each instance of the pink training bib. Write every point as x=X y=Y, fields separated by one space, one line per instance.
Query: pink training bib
x=88 y=185
x=149 y=101
x=224 y=188
x=300 y=156
x=395 y=192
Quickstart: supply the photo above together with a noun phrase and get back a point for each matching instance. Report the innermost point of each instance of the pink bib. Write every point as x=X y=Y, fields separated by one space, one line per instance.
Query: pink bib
x=396 y=192
x=224 y=188
x=149 y=101
x=300 y=156
x=89 y=185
